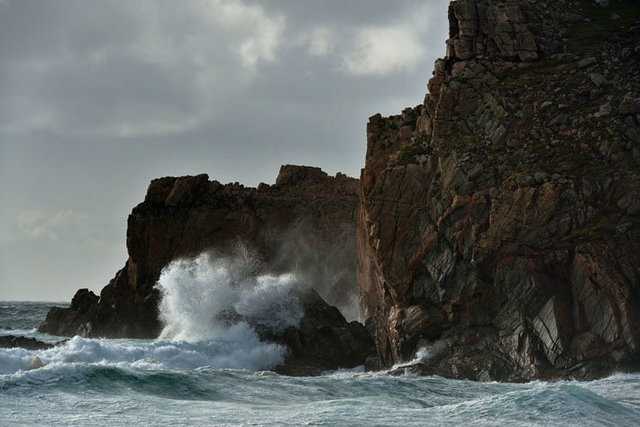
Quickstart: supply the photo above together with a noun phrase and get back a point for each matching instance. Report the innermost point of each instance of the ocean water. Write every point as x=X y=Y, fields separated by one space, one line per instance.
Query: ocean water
x=220 y=375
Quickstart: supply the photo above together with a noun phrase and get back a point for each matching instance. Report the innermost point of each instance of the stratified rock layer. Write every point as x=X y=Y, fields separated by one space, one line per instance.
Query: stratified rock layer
x=499 y=228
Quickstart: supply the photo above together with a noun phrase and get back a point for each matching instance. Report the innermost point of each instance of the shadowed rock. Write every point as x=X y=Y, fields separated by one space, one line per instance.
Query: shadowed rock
x=323 y=341
x=14 y=341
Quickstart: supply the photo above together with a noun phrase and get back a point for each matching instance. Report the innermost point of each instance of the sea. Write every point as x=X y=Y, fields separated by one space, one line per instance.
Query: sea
x=226 y=378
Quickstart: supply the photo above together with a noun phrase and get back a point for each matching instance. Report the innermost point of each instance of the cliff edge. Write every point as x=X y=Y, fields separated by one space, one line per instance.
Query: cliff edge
x=499 y=228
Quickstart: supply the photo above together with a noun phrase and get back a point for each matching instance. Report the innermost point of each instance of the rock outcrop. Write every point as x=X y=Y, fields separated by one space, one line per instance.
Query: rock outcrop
x=305 y=222
x=499 y=230
x=16 y=341
x=323 y=341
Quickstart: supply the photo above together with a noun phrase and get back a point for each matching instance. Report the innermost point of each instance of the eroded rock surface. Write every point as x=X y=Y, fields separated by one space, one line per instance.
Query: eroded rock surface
x=499 y=229
x=305 y=222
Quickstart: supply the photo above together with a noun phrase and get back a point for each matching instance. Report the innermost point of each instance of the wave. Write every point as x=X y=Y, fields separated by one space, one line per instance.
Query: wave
x=201 y=297
x=222 y=300
x=210 y=309
x=238 y=349
x=158 y=395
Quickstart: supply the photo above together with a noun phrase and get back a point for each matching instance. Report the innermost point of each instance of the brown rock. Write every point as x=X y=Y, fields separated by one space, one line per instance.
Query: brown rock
x=502 y=256
x=306 y=220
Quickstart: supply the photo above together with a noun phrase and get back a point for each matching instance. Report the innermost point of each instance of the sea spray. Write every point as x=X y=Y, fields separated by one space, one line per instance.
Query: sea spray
x=222 y=300
x=116 y=382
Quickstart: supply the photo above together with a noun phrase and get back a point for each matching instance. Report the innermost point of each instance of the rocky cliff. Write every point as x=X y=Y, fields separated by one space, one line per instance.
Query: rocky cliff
x=305 y=223
x=499 y=228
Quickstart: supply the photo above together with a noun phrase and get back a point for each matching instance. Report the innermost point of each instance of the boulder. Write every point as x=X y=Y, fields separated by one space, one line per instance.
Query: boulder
x=13 y=341
x=74 y=320
x=324 y=340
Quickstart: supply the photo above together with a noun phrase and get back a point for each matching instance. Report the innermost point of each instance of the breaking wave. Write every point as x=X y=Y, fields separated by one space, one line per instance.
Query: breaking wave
x=214 y=382
x=224 y=300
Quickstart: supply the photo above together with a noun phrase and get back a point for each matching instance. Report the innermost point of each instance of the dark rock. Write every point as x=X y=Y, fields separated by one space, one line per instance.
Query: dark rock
x=306 y=223
x=13 y=341
x=75 y=320
x=598 y=79
x=291 y=175
x=324 y=340
x=185 y=190
x=530 y=268
x=587 y=62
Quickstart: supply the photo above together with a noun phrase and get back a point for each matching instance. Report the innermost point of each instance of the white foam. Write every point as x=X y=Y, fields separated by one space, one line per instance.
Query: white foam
x=209 y=308
x=422 y=354
x=239 y=349
x=269 y=302
x=216 y=299
x=200 y=295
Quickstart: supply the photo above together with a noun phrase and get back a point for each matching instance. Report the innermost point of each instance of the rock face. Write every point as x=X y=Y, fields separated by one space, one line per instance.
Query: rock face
x=499 y=227
x=305 y=222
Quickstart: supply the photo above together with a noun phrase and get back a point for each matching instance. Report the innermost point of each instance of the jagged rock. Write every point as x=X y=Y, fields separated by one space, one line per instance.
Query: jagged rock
x=630 y=203
x=324 y=340
x=523 y=265
x=306 y=220
x=185 y=190
x=307 y=215
x=587 y=62
x=75 y=320
x=598 y=79
x=291 y=175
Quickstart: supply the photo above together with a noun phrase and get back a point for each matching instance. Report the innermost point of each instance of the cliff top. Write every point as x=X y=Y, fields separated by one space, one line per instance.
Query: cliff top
x=292 y=181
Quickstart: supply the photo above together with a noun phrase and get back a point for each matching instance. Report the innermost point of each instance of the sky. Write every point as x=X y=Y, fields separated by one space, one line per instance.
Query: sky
x=99 y=97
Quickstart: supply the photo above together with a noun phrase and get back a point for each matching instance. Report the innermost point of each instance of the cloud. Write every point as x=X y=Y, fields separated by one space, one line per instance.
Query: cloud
x=384 y=50
x=250 y=32
x=117 y=70
x=145 y=69
x=320 y=41
x=99 y=97
x=68 y=225
x=397 y=44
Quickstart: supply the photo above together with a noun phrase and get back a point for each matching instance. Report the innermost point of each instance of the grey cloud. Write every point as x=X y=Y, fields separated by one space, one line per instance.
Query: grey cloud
x=340 y=12
x=97 y=98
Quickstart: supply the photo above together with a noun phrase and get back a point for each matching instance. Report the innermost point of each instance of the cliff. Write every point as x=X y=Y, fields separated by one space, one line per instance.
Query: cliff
x=499 y=227
x=305 y=223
